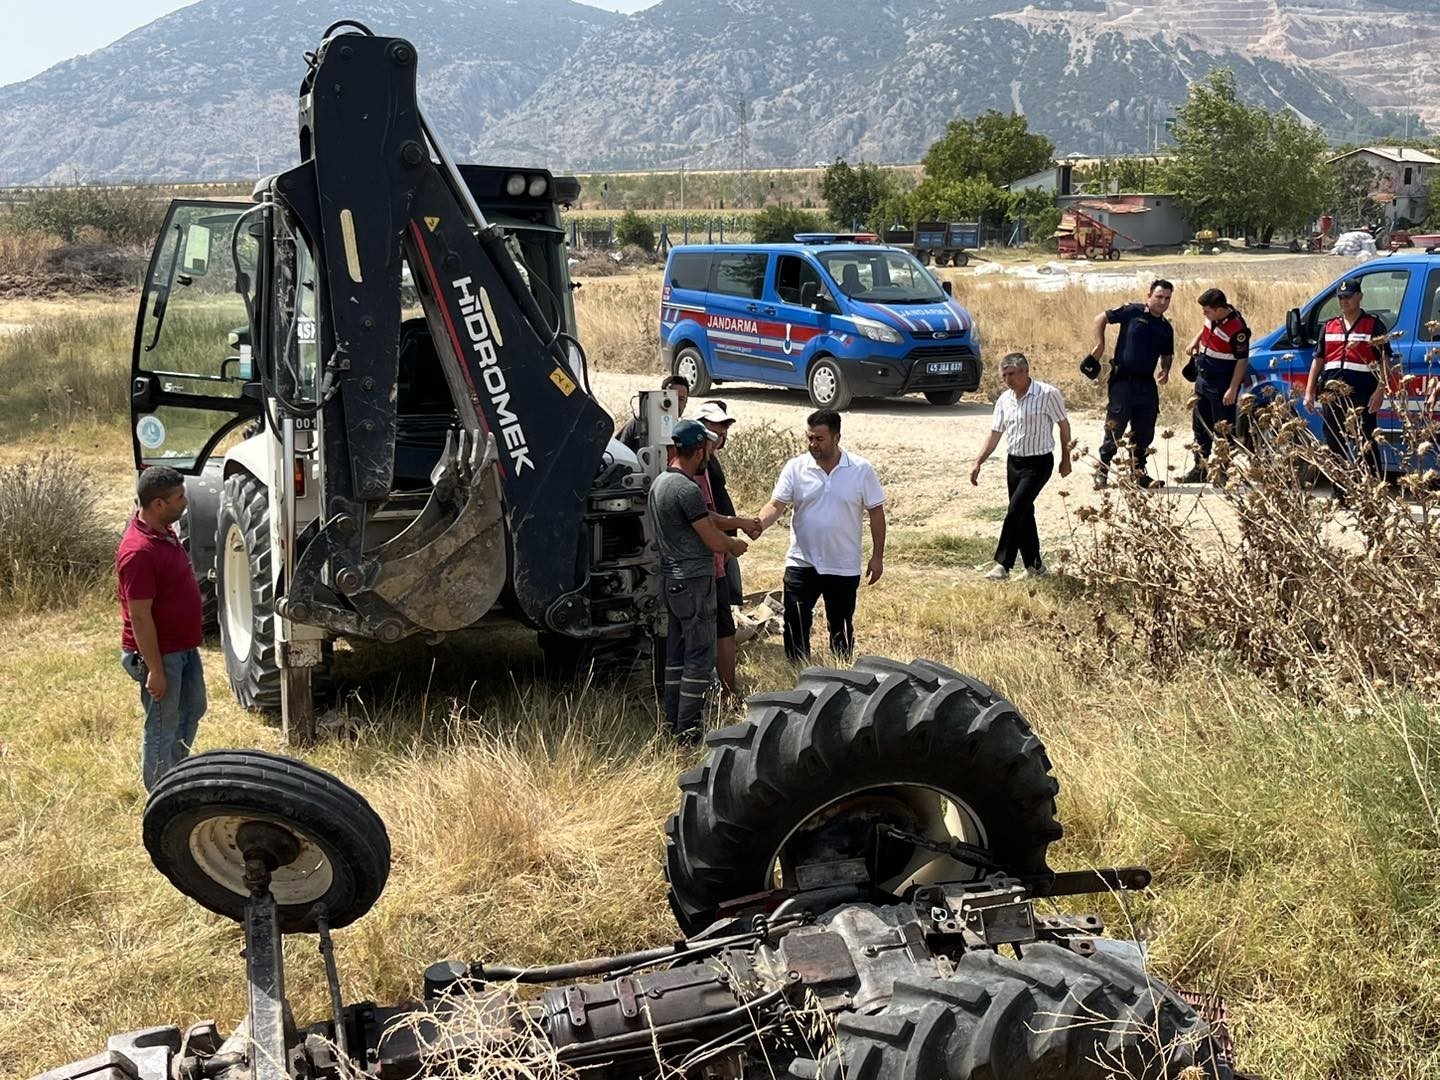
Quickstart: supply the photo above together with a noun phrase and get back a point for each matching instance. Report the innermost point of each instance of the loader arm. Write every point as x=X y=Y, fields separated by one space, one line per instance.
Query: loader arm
x=510 y=493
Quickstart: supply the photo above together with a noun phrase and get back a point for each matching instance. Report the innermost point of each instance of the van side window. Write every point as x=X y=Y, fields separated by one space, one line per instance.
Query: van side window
x=690 y=270
x=739 y=275
x=791 y=275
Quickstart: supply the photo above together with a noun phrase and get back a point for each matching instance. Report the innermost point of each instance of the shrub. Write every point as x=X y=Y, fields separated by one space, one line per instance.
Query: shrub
x=1310 y=595
x=124 y=216
x=53 y=547
x=753 y=456
x=779 y=224
x=634 y=229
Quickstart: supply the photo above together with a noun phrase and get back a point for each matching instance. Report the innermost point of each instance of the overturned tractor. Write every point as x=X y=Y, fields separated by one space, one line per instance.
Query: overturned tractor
x=858 y=868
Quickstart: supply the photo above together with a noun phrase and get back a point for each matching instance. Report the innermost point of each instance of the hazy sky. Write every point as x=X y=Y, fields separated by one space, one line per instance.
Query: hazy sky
x=38 y=34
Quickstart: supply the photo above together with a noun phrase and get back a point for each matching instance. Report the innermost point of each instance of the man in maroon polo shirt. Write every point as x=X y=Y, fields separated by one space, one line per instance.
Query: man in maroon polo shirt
x=160 y=630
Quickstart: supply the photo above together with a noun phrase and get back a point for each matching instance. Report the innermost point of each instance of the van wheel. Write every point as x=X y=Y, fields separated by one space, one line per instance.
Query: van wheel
x=829 y=389
x=942 y=397
x=690 y=366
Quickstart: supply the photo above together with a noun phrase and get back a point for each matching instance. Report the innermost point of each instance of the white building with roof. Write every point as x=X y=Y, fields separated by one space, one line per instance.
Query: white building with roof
x=1404 y=184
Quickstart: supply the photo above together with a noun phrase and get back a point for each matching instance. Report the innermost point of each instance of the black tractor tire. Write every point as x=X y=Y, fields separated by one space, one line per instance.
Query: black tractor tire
x=925 y=257
x=943 y=397
x=194 y=810
x=209 y=604
x=1052 y=1014
x=696 y=373
x=252 y=661
x=834 y=390
x=962 y=258
x=842 y=732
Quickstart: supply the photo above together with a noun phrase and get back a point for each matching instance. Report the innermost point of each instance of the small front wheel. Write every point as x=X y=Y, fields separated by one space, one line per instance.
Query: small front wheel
x=690 y=366
x=828 y=386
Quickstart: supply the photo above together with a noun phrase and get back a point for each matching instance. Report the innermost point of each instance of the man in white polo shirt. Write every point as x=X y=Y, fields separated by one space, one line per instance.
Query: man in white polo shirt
x=832 y=491
x=1027 y=413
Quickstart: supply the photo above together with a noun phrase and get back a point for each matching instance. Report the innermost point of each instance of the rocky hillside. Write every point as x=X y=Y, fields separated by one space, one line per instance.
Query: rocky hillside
x=209 y=91
x=1386 y=53
x=876 y=79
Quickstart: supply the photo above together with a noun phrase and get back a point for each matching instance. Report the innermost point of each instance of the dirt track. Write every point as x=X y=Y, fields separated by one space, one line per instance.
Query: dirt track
x=924 y=452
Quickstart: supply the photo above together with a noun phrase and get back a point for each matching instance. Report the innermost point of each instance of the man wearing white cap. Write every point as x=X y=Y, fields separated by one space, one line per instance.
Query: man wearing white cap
x=728 y=590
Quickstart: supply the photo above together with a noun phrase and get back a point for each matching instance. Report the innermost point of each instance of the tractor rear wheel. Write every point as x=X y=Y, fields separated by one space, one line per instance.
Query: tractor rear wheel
x=1051 y=1013
x=246 y=594
x=827 y=770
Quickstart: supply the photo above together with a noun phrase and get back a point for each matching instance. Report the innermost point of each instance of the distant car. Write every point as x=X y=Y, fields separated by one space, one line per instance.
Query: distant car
x=840 y=320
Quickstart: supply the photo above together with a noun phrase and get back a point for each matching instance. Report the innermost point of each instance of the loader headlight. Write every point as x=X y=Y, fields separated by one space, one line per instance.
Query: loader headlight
x=538 y=186
x=515 y=186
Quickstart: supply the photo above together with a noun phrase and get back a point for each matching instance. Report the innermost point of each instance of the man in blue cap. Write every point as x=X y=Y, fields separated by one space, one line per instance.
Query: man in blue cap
x=690 y=537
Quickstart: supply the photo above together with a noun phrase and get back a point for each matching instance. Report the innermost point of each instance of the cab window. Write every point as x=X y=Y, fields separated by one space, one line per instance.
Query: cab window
x=792 y=274
x=739 y=275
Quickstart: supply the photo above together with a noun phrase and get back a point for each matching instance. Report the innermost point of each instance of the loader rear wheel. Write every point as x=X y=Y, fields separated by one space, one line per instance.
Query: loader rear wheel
x=819 y=772
x=339 y=851
x=246 y=595
x=1052 y=1013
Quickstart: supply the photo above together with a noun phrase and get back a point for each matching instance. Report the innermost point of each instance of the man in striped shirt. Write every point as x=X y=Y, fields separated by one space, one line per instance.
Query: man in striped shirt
x=1027 y=413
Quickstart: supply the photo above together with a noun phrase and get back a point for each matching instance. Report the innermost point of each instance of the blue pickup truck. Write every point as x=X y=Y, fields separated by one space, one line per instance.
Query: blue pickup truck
x=1404 y=291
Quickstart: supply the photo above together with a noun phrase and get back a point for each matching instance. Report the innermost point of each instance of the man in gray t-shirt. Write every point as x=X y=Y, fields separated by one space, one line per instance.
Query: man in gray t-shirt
x=689 y=538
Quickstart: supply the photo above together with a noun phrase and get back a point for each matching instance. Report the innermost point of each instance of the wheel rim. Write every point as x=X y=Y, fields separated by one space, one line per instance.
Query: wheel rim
x=303 y=880
x=239 y=601
x=822 y=384
x=687 y=368
x=939 y=816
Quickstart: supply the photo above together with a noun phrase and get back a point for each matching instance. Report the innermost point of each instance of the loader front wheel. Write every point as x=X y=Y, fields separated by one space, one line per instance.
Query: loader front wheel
x=827 y=774
x=1049 y=1013
x=245 y=592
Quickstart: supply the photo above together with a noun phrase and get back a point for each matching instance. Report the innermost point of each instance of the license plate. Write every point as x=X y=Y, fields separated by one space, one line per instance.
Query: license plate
x=945 y=367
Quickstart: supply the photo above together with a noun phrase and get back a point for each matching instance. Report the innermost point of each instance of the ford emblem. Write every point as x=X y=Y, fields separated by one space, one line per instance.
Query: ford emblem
x=940 y=334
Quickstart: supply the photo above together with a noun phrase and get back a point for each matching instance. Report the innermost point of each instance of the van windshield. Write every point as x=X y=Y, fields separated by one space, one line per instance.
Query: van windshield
x=883 y=276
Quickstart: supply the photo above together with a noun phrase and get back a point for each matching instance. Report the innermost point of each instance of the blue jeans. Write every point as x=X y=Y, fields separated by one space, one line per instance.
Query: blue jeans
x=170 y=723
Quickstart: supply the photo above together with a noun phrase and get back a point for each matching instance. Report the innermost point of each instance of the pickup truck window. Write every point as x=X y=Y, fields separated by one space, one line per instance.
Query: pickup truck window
x=1385 y=293
x=1430 y=309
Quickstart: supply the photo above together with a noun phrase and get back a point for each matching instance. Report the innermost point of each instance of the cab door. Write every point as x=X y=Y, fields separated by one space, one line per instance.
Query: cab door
x=191 y=363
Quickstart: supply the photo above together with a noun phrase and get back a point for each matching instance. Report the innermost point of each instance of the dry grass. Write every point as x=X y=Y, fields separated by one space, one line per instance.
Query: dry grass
x=1296 y=856
x=26 y=252
x=54 y=547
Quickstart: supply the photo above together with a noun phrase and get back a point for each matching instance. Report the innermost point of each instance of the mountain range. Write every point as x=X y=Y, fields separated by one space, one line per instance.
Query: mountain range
x=210 y=90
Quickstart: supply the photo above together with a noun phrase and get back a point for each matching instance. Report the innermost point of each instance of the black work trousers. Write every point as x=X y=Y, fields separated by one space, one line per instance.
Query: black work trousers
x=1024 y=476
x=1338 y=427
x=803 y=586
x=1134 y=406
x=689 y=649
x=1210 y=411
